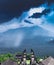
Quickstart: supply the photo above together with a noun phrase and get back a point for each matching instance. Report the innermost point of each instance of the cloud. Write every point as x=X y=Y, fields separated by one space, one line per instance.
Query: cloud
x=10 y=9
x=36 y=10
x=49 y=28
x=18 y=23
x=38 y=15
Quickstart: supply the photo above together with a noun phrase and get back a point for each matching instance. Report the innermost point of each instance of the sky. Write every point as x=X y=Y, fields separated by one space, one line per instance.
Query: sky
x=14 y=8
x=21 y=14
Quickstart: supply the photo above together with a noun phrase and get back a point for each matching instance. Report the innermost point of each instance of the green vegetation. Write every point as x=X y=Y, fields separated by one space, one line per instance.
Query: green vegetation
x=4 y=57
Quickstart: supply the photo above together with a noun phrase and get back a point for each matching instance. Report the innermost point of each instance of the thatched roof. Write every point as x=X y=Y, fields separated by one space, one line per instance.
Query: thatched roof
x=48 y=61
x=9 y=62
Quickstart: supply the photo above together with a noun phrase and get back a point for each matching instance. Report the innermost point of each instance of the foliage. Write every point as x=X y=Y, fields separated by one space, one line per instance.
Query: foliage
x=4 y=57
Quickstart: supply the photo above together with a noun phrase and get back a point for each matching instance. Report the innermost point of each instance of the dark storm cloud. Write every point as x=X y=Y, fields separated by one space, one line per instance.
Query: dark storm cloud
x=28 y=22
x=38 y=15
x=14 y=8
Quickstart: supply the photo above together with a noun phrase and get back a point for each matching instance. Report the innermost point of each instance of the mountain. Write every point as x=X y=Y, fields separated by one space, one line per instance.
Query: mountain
x=31 y=37
x=18 y=36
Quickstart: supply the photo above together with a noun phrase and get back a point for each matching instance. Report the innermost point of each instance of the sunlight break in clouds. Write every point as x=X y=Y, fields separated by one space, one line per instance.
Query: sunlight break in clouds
x=19 y=39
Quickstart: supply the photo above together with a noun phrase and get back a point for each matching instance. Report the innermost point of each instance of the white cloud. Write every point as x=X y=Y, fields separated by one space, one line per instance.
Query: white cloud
x=49 y=28
x=5 y=27
x=19 y=23
x=35 y=10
